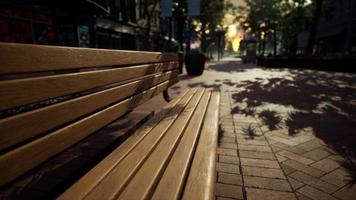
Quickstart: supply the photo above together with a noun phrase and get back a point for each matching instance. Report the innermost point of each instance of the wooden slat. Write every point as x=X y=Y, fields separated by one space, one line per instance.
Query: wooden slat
x=116 y=180
x=201 y=179
x=82 y=187
x=24 y=58
x=172 y=181
x=24 y=158
x=21 y=127
x=28 y=90
x=142 y=184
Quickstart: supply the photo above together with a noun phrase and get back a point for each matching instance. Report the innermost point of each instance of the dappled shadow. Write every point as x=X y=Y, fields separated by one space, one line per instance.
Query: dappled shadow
x=202 y=84
x=322 y=101
x=230 y=67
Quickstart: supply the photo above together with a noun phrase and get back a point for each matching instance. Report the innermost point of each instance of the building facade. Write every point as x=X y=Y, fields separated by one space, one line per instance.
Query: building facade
x=110 y=24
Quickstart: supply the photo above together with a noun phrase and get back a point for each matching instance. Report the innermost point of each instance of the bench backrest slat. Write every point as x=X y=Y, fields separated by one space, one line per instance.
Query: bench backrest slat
x=24 y=158
x=29 y=90
x=30 y=124
x=25 y=58
x=53 y=97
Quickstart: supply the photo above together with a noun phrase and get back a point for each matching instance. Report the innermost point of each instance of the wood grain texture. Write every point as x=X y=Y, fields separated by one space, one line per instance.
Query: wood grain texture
x=172 y=181
x=25 y=58
x=118 y=178
x=82 y=187
x=29 y=90
x=201 y=179
x=24 y=158
x=24 y=126
x=146 y=178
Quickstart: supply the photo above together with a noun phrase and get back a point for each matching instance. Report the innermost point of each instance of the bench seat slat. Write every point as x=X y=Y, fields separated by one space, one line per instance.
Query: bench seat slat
x=184 y=134
x=202 y=175
x=25 y=58
x=172 y=181
x=116 y=180
x=144 y=180
x=82 y=187
x=21 y=127
x=30 y=90
x=24 y=158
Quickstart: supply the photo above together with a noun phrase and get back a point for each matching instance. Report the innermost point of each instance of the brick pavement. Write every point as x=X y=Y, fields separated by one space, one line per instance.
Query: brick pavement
x=278 y=129
x=274 y=165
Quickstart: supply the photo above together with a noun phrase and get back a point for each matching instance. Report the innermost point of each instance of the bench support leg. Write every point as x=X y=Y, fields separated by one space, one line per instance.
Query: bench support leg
x=166 y=96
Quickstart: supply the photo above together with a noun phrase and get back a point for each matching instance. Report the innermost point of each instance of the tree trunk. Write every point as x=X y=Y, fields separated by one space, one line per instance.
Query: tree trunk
x=275 y=42
x=314 y=27
x=149 y=15
x=350 y=28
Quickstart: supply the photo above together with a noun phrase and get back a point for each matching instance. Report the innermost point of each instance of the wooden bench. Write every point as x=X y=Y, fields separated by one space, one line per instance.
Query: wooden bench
x=54 y=97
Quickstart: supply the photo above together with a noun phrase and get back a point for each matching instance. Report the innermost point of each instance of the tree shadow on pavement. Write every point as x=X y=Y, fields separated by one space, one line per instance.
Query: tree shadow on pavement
x=322 y=101
x=229 y=67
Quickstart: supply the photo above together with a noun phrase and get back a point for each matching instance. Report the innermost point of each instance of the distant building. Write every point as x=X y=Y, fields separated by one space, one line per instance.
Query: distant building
x=112 y=24
x=337 y=27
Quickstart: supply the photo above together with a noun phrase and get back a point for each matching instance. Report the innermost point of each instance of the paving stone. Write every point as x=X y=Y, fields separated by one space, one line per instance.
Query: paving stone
x=229 y=191
x=232 y=179
x=255 y=138
x=271 y=141
x=347 y=193
x=223 y=198
x=317 y=154
x=339 y=177
x=337 y=158
x=275 y=148
x=252 y=142
x=228 y=134
x=294 y=183
x=254 y=148
x=229 y=168
x=304 y=168
x=280 y=146
x=310 y=145
x=228 y=145
x=283 y=140
x=228 y=126
x=300 y=138
x=258 y=155
x=314 y=182
x=261 y=194
x=326 y=165
x=283 y=133
x=263 y=172
x=227 y=139
x=295 y=157
x=227 y=123
x=267 y=183
x=228 y=159
x=227 y=152
x=259 y=163
x=315 y=194
x=281 y=158
x=287 y=170
x=264 y=129
x=302 y=197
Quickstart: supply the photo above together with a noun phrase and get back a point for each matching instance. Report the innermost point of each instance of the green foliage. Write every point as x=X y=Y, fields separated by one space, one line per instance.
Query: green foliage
x=211 y=18
x=286 y=17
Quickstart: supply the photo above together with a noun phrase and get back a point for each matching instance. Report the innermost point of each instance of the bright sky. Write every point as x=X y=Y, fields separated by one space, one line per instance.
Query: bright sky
x=233 y=36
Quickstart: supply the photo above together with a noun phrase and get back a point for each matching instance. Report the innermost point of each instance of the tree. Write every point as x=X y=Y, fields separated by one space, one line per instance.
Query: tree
x=260 y=18
x=148 y=10
x=212 y=14
x=274 y=20
x=295 y=19
x=314 y=26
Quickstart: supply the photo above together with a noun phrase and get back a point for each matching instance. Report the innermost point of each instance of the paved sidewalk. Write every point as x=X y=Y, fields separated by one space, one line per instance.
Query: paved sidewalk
x=285 y=134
